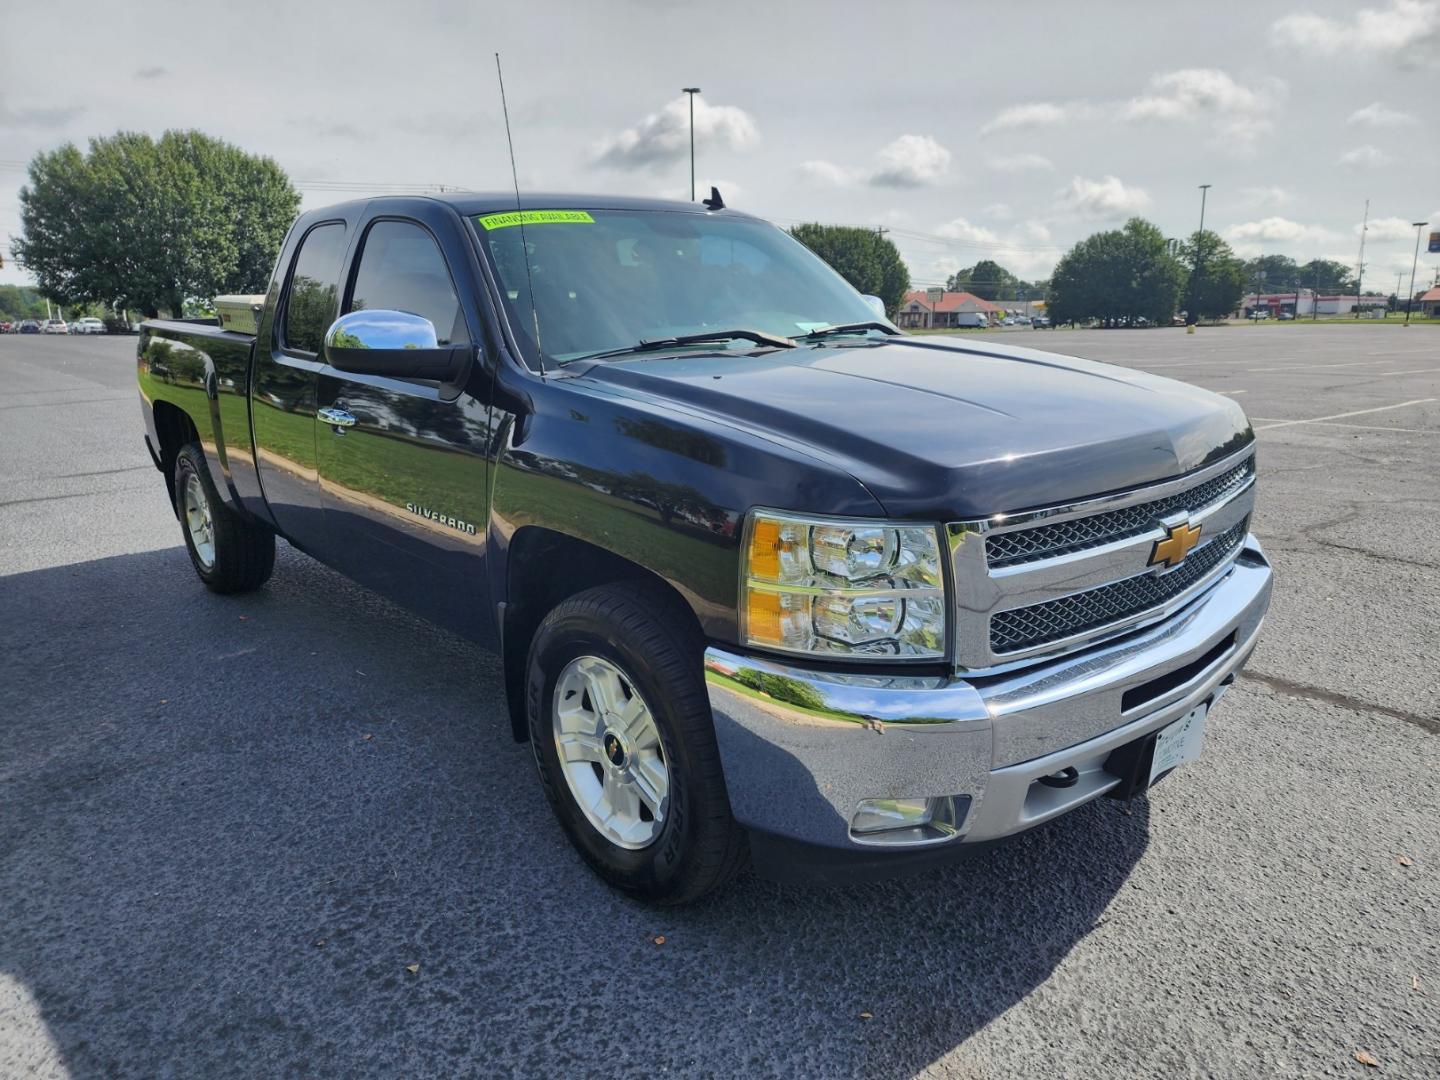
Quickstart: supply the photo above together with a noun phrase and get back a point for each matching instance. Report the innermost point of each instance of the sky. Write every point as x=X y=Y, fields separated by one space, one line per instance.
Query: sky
x=968 y=131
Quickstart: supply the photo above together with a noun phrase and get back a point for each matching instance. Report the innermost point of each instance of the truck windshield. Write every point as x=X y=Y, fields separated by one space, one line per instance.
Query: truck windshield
x=606 y=280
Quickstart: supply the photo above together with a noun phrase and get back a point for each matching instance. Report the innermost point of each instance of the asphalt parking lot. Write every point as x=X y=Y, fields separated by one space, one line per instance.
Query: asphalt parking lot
x=230 y=828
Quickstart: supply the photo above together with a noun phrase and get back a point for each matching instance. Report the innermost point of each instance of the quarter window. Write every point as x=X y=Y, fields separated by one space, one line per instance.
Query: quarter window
x=402 y=269
x=310 y=308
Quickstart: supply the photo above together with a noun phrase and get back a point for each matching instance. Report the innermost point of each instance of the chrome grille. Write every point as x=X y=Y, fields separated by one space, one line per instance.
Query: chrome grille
x=1078 y=613
x=1066 y=537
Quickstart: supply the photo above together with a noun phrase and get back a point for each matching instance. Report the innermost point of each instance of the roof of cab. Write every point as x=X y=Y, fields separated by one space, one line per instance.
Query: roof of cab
x=491 y=202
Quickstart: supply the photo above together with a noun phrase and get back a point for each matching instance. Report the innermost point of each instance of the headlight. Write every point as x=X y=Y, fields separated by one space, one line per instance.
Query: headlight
x=859 y=588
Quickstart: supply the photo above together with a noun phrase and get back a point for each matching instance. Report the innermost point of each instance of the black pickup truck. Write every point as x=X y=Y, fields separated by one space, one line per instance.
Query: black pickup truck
x=770 y=579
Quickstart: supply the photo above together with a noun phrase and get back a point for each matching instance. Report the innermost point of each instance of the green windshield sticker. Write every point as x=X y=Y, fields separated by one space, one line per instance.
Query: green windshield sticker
x=534 y=217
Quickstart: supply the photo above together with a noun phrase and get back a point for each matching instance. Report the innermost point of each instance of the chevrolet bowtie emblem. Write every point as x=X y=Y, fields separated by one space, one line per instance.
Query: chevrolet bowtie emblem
x=1178 y=541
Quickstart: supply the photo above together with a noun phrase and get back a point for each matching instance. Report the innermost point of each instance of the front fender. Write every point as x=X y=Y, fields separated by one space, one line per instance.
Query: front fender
x=662 y=488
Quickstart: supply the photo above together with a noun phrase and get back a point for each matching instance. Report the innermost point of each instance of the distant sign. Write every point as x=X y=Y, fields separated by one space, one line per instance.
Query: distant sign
x=1435 y=241
x=936 y=295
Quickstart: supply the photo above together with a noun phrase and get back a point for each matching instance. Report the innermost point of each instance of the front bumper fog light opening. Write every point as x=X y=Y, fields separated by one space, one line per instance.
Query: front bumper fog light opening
x=908 y=822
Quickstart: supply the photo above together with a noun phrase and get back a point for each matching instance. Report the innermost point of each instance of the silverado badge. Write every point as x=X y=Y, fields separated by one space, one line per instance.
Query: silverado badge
x=1179 y=539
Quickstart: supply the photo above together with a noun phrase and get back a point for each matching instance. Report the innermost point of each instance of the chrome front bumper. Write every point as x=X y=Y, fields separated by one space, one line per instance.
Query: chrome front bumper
x=798 y=772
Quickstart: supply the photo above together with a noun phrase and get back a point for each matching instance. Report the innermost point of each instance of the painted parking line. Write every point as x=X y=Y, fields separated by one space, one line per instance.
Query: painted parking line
x=1231 y=393
x=1267 y=425
x=1412 y=371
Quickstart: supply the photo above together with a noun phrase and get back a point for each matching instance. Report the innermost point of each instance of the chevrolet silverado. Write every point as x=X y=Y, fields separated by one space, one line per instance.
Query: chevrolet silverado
x=770 y=580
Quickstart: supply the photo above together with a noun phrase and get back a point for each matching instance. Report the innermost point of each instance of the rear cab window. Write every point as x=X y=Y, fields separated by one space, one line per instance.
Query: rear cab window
x=313 y=292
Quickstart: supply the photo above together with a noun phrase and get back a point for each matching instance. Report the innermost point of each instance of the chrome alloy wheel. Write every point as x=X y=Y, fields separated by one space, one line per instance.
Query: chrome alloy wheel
x=197 y=521
x=610 y=752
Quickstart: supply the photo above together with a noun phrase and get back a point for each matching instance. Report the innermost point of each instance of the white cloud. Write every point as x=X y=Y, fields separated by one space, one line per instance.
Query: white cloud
x=1406 y=30
x=1364 y=157
x=664 y=137
x=1377 y=114
x=1389 y=228
x=1106 y=198
x=961 y=229
x=1265 y=196
x=999 y=210
x=1033 y=114
x=1250 y=237
x=911 y=161
x=1020 y=163
x=1238 y=112
x=827 y=172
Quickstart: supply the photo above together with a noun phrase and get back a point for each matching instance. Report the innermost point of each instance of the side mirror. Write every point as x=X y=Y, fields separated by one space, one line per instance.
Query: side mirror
x=876 y=304
x=393 y=343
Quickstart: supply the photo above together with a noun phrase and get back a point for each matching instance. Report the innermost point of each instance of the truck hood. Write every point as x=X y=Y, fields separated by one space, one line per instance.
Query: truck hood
x=948 y=432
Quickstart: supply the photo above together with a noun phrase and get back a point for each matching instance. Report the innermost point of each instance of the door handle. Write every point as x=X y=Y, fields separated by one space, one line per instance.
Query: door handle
x=336 y=418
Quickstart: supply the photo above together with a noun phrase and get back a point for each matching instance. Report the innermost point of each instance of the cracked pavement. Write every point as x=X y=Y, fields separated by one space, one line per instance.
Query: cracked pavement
x=229 y=827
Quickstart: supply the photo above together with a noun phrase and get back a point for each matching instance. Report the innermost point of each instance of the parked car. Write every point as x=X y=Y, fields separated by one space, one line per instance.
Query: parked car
x=29 y=326
x=87 y=325
x=1040 y=321
x=760 y=582
x=55 y=326
x=7 y=327
x=1285 y=316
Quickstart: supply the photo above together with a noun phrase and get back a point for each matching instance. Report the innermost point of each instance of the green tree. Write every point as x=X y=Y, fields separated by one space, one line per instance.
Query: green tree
x=1272 y=273
x=1216 y=280
x=863 y=257
x=991 y=281
x=1327 y=276
x=146 y=223
x=1126 y=272
x=21 y=302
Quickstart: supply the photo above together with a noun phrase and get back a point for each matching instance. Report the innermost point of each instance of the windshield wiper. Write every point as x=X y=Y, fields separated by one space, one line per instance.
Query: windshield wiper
x=846 y=328
x=759 y=337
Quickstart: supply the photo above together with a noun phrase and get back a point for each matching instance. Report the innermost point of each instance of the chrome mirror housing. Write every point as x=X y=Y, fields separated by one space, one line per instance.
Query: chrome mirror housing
x=393 y=343
x=381 y=330
x=876 y=304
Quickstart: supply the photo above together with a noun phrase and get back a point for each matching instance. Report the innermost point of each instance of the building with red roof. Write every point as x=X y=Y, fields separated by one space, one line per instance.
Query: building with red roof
x=917 y=312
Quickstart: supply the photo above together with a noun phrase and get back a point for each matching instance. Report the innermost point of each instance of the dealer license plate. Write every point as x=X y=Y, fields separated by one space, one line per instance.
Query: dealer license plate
x=1179 y=743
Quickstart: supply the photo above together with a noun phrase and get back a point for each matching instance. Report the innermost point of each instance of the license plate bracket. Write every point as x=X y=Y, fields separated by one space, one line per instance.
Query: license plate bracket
x=1147 y=760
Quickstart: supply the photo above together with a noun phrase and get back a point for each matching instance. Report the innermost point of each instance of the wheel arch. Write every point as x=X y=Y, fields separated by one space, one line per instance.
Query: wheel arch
x=174 y=428
x=545 y=567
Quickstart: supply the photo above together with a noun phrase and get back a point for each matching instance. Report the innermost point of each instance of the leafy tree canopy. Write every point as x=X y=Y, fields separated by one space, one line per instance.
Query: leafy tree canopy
x=1328 y=276
x=1126 y=272
x=1271 y=273
x=863 y=257
x=146 y=223
x=989 y=280
x=1216 y=280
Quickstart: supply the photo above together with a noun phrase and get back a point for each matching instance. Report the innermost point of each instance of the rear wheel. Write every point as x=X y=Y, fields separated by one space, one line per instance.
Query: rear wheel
x=231 y=553
x=623 y=739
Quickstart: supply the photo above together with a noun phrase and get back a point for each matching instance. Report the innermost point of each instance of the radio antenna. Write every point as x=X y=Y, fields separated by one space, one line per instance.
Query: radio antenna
x=520 y=216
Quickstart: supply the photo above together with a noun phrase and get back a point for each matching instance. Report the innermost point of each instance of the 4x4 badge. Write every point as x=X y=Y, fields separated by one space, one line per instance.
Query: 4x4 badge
x=1179 y=539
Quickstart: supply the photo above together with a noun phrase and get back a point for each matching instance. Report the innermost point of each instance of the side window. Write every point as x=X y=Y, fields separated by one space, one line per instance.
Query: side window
x=310 y=305
x=402 y=269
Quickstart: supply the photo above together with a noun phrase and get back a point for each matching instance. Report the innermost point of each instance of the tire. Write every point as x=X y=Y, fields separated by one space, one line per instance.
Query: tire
x=696 y=845
x=234 y=554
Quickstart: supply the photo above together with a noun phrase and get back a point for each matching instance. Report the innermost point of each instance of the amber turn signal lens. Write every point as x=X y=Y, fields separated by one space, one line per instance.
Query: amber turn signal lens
x=762 y=617
x=765 y=547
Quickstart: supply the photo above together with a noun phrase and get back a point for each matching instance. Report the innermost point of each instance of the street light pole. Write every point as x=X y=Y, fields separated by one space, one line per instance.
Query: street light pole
x=1410 y=300
x=692 y=91
x=1190 y=316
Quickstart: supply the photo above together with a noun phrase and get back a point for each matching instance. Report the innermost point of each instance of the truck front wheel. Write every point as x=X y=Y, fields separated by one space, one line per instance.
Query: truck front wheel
x=621 y=730
x=230 y=553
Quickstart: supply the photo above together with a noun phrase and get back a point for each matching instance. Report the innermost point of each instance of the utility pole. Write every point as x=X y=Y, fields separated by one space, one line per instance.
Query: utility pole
x=1360 y=266
x=1315 y=297
x=692 y=91
x=1410 y=300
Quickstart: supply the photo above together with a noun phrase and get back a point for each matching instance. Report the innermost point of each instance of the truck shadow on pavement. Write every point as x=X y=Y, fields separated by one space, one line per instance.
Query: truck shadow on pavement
x=289 y=834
